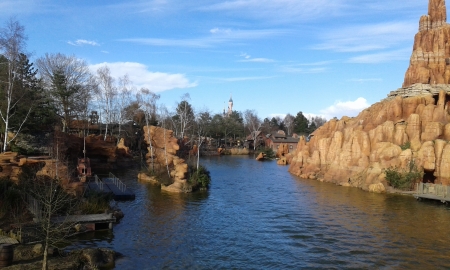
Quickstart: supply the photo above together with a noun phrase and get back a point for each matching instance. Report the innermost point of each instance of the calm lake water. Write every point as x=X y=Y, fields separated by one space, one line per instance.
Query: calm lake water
x=258 y=216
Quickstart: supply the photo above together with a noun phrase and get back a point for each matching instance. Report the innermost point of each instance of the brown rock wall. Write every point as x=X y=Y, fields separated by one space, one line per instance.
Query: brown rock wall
x=431 y=50
x=356 y=151
x=162 y=155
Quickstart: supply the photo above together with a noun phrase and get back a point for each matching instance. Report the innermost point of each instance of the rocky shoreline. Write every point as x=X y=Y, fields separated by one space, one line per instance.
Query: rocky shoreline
x=29 y=257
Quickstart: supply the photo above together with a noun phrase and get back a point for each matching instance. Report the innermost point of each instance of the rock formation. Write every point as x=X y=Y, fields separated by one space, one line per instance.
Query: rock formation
x=355 y=151
x=11 y=165
x=430 y=59
x=412 y=123
x=162 y=157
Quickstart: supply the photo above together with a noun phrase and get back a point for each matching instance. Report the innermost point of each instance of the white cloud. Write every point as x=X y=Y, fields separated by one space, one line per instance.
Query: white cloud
x=277 y=11
x=346 y=108
x=248 y=58
x=240 y=79
x=142 y=77
x=82 y=42
x=382 y=57
x=220 y=31
x=302 y=70
x=306 y=68
x=21 y=6
x=217 y=36
x=363 y=38
x=281 y=115
x=366 y=80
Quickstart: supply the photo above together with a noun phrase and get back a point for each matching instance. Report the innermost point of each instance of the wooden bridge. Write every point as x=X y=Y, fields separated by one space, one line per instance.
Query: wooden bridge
x=112 y=185
x=432 y=192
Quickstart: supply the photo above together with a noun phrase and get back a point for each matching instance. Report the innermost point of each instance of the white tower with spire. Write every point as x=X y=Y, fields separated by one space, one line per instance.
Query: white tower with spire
x=230 y=106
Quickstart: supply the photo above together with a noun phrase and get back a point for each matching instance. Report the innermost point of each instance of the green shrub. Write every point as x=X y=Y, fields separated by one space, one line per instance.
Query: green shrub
x=200 y=179
x=268 y=153
x=95 y=202
x=406 y=145
x=404 y=179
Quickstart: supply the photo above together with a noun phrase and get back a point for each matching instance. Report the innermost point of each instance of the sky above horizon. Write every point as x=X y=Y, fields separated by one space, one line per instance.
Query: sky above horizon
x=321 y=57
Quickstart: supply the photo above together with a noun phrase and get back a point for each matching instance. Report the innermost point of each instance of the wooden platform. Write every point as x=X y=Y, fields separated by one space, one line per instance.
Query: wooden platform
x=432 y=192
x=95 y=218
x=93 y=222
x=111 y=185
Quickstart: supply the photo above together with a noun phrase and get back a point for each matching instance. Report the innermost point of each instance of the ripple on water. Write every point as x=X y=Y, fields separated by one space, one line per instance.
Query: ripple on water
x=258 y=216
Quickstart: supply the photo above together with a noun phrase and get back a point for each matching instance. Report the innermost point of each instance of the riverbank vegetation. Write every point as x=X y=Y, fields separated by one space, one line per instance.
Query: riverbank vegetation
x=404 y=179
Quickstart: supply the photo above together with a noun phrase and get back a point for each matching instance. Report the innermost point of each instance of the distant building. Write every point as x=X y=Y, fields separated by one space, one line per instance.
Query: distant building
x=260 y=140
x=276 y=138
x=230 y=108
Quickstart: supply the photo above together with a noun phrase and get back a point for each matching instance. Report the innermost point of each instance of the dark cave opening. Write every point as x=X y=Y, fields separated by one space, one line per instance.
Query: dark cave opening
x=428 y=176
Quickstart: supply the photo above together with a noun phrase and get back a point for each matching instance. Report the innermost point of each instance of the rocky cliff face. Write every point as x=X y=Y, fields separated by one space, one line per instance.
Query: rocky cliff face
x=165 y=147
x=430 y=59
x=412 y=123
x=355 y=151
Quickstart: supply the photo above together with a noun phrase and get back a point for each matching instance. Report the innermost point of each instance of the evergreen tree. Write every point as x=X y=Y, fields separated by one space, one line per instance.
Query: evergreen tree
x=301 y=124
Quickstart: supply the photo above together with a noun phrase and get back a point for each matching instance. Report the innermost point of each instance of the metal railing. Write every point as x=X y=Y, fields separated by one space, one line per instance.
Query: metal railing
x=437 y=190
x=98 y=182
x=117 y=182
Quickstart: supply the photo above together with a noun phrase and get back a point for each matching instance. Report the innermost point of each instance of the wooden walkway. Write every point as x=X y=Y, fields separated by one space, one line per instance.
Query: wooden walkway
x=432 y=192
x=112 y=185
x=95 y=218
x=93 y=222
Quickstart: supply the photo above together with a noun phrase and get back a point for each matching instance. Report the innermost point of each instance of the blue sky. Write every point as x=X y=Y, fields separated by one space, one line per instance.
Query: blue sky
x=321 y=57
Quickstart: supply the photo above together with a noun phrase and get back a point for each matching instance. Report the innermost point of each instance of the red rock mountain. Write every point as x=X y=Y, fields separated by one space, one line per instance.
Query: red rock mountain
x=413 y=123
x=430 y=59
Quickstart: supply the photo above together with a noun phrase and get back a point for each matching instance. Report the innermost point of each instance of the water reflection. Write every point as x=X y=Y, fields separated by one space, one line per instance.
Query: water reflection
x=258 y=216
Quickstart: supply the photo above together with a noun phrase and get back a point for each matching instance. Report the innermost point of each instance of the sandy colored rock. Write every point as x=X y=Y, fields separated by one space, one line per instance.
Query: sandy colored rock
x=430 y=51
x=260 y=157
x=432 y=131
x=162 y=149
x=147 y=178
x=356 y=151
x=377 y=188
x=282 y=150
x=282 y=161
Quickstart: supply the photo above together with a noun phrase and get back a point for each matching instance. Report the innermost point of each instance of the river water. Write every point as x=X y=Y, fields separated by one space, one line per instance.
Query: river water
x=258 y=216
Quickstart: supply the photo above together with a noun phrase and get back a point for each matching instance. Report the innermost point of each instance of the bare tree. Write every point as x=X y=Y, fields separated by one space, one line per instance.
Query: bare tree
x=253 y=124
x=68 y=82
x=147 y=100
x=51 y=206
x=124 y=100
x=12 y=45
x=106 y=92
x=202 y=124
x=164 y=115
x=184 y=116
x=289 y=123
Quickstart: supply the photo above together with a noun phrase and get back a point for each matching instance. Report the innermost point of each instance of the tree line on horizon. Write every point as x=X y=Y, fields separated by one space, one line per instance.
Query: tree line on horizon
x=59 y=89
